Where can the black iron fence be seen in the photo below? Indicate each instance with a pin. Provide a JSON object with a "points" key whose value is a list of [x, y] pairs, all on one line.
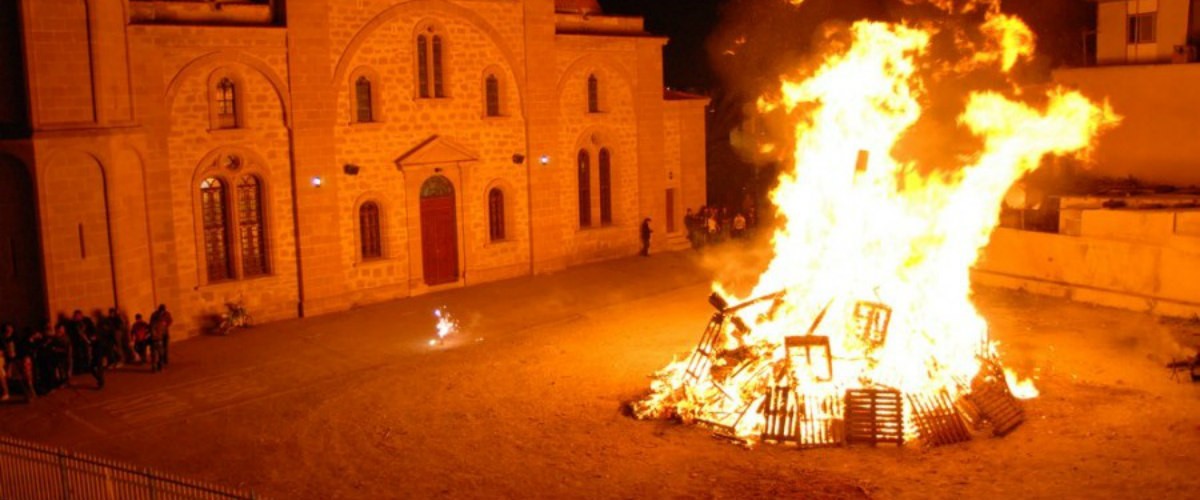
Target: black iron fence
{"points": [[30, 471]]}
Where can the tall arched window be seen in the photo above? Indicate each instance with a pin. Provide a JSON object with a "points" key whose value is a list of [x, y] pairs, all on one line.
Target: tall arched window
{"points": [[251, 233], [216, 229], [369, 231], [585, 189], [491, 87], [437, 67], [593, 92], [227, 112], [496, 214], [430, 64], [422, 66], [605, 187], [363, 112]]}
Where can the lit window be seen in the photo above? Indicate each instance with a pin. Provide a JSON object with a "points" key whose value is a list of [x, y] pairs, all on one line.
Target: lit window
{"points": [[227, 104], [422, 66], [593, 94], [496, 214], [605, 187], [492, 91], [430, 65], [362, 100], [216, 229], [585, 189], [250, 227], [1142, 28], [369, 233]]}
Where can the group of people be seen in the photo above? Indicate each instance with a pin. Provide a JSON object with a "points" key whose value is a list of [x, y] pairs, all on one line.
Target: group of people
{"points": [[711, 225], [39, 360]]}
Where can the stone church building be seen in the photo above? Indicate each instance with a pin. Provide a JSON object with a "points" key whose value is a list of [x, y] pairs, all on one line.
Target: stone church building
{"points": [[309, 156]]}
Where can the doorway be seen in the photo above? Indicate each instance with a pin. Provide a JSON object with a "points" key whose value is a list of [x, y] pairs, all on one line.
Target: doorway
{"points": [[439, 231]]}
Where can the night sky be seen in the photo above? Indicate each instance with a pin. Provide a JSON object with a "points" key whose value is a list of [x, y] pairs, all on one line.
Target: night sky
{"points": [[700, 27], [735, 51]]}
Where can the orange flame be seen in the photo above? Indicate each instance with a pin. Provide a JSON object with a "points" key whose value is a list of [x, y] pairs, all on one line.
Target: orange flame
{"points": [[879, 230]]}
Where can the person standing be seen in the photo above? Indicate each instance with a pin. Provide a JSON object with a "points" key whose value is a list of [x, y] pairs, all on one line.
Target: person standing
{"points": [[739, 226], [140, 335], [646, 237], [101, 348], [160, 327], [117, 322]]}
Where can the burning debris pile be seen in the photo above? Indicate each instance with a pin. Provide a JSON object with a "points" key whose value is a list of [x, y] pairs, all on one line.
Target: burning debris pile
{"points": [[863, 330], [752, 390]]}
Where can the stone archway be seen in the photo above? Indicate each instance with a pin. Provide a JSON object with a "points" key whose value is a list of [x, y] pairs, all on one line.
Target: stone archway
{"points": [[22, 290], [439, 231]]}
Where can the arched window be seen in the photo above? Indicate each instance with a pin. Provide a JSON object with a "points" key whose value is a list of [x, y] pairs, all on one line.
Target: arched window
{"points": [[369, 232], [216, 229], [430, 66], [491, 87], [251, 233], [605, 187], [437, 67], [593, 94], [422, 66], [585, 189], [363, 112], [227, 109], [496, 214]]}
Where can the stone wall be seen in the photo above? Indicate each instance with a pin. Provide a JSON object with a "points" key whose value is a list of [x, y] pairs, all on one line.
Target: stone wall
{"points": [[125, 129]]}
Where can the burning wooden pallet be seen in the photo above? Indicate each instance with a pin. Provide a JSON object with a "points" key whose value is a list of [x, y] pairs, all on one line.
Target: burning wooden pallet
{"points": [[782, 411], [996, 404], [822, 425], [700, 363], [874, 416], [937, 419]]}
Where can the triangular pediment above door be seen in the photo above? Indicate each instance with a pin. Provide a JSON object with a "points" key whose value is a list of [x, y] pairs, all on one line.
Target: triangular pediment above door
{"points": [[436, 150]]}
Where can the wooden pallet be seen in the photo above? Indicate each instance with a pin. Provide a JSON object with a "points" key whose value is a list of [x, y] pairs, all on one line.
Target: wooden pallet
{"points": [[821, 425], [938, 421], [874, 416], [795, 346], [998, 406], [872, 319], [782, 412], [700, 363]]}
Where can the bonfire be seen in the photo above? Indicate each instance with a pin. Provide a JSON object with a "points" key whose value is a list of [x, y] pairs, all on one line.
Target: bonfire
{"points": [[861, 328]]}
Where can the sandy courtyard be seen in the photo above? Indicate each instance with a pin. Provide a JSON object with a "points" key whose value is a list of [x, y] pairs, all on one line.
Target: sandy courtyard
{"points": [[527, 402]]}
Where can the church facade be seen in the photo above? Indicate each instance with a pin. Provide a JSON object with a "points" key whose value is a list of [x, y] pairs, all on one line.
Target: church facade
{"points": [[305, 157]]}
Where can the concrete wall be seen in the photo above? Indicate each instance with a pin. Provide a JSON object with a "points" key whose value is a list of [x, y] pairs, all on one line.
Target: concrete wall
{"points": [[1138, 260], [1157, 140]]}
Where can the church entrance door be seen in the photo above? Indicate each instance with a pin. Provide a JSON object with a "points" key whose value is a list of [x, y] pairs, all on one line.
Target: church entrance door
{"points": [[439, 231]]}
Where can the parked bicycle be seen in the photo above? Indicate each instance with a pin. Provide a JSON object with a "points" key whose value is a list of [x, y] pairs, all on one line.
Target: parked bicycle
{"points": [[235, 316]]}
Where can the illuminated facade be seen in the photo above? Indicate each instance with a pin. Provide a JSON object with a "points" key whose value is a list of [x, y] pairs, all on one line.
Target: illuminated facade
{"points": [[310, 156]]}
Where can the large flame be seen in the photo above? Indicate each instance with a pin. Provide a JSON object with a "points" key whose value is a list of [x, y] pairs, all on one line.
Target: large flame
{"points": [[860, 225]]}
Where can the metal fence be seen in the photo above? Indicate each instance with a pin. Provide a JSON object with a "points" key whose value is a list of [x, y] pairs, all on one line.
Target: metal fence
{"points": [[30, 471]]}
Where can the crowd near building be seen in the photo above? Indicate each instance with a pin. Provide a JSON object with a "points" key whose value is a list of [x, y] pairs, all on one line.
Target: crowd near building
{"points": [[304, 157]]}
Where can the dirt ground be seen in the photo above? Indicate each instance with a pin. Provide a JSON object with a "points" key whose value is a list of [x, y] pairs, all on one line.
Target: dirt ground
{"points": [[526, 402]]}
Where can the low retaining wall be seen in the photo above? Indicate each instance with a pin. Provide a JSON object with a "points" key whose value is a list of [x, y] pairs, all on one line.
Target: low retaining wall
{"points": [[1157, 273]]}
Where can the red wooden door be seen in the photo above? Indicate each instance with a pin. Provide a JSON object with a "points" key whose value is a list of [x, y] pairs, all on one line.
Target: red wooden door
{"points": [[439, 239]]}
